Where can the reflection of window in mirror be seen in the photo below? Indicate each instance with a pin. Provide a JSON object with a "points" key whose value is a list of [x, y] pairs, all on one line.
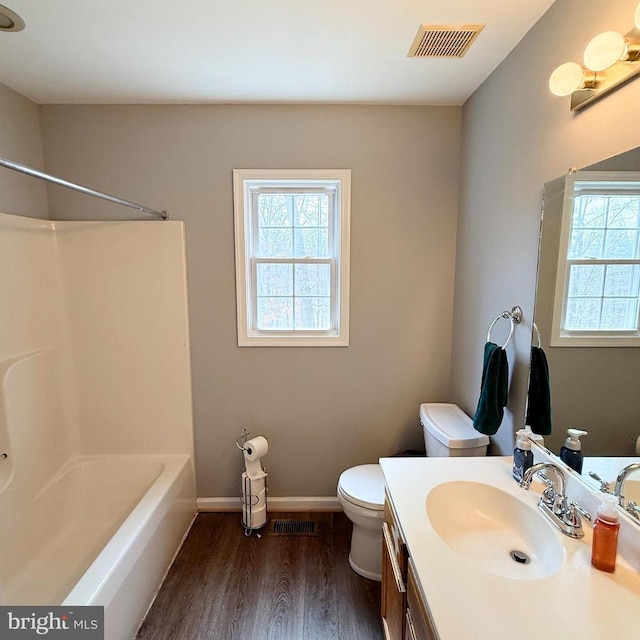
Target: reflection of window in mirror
{"points": [[598, 282]]}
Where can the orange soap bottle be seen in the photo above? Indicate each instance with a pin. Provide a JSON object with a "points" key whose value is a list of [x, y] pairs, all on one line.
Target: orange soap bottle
{"points": [[605, 535]]}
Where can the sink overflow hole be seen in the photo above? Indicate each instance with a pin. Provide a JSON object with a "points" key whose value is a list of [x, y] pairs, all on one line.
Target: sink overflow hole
{"points": [[520, 556]]}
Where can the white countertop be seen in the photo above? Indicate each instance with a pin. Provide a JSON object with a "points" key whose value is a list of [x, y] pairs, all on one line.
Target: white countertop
{"points": [[577, 601]]}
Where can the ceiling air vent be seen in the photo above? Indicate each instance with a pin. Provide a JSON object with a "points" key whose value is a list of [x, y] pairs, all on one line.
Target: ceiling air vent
{"points": [[443, 40]]}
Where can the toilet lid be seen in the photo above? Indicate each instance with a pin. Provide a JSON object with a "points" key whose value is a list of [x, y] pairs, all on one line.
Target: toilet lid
{"points": [[451, 426], [364, 486]]}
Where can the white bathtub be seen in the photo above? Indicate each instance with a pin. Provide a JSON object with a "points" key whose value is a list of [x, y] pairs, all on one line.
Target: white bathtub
{"points": [[103, 531]]}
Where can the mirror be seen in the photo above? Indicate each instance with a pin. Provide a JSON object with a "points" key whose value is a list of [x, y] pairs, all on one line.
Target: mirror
{"points": [[592, 388]]}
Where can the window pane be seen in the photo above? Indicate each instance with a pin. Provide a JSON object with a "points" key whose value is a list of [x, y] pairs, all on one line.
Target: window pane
{"points": [[621, 280], [311, 210], [275, 313], [619, 313], [311, 243], [623, 212], [602, 287], [582, 314], [275, 243], [585, 243], [292, 256], [312, 313], [589, 212], [621, 245], [274, 279], [586, 280], [313, 280], [273, 211]]}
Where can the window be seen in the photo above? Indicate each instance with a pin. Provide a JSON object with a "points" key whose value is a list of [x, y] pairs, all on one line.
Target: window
{"points": [[292, 257], [598, 281]]}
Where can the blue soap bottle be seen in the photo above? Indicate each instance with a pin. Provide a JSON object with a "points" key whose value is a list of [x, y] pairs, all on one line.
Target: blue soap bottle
{"points": [[571, 453], [522, 454]]}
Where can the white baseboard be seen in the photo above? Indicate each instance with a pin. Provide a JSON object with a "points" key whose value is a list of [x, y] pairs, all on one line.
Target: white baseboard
{"points": [[303, 503]]}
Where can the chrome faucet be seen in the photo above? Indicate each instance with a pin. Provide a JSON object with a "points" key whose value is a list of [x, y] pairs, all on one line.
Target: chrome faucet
{"points": [[631, 506], [605, 486], [527, 477], [620, 480], [633, 509], [553, 502]]}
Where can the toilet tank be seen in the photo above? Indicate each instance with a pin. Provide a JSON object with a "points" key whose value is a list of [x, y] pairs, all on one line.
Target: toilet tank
{"points": [[448, 432]]}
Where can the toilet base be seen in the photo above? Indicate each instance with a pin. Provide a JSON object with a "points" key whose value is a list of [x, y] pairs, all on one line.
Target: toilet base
{"points": [[362, 572], [365, 556]]}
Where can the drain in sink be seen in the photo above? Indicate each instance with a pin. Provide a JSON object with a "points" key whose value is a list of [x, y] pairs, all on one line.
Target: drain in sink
{"points": [[520, 556]]}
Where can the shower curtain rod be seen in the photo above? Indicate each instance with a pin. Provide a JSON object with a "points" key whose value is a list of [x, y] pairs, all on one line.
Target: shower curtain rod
{"points": [[23, 168]]}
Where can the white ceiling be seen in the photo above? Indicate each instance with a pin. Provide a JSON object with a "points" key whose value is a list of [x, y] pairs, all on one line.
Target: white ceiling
{"points": [[323, 51]]}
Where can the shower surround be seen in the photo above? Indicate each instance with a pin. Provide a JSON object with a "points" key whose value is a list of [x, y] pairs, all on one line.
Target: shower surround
{"points": [[96, 447]]}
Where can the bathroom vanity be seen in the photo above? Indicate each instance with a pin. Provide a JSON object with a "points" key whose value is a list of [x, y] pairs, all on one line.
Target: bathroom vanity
{"points": [[405, 613], [467, 553]]}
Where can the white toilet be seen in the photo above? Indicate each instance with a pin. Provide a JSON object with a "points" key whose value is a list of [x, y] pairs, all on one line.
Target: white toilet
{"points": [[449, 432], [361, 494]]}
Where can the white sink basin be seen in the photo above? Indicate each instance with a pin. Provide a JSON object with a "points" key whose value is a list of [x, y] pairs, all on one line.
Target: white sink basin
{"points": [[485, 525]]}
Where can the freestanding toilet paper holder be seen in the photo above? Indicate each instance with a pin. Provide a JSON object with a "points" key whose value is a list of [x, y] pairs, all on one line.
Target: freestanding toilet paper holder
{"points": [[250, 497]]}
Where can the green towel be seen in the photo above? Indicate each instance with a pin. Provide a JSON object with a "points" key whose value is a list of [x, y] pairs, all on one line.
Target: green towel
{"points": [[493, 390], [539, 397]]}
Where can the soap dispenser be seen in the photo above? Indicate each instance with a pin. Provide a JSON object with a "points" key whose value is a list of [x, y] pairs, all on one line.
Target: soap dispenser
{"points": [[605, 534], [571, 453], [522, 454]]}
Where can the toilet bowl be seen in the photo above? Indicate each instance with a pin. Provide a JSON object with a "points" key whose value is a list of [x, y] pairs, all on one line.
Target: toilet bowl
{"points": [[361, 494], [448, 431]]}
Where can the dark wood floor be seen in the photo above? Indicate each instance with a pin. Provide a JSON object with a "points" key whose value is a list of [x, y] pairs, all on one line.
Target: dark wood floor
{"points": [[226, 586]]}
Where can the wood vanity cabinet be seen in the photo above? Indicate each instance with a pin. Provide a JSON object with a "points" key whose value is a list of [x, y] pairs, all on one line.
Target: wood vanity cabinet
{"points": [[394, 576], [405, 614], [418, 622]]}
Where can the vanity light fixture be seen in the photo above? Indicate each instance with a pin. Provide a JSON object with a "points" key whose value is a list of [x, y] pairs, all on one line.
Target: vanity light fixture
{"points": [[609, 48], [570, 77], [610, 59]]}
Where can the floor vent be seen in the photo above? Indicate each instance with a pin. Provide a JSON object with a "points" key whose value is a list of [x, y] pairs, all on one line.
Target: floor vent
{"points": [[443, 40], [293, 528]]}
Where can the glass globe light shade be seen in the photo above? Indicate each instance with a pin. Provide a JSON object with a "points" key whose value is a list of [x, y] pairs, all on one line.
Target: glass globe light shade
{"points": [[566, 79], [605, 49]]}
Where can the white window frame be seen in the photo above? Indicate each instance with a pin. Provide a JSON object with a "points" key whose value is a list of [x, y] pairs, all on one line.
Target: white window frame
{"points": [[604, 182], [337, 182]]}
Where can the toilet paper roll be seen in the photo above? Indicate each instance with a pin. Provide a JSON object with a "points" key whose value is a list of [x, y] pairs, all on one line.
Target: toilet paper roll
{"points": [[254, 499], [256, 448], [254, 502], [256, 486], [254, 469], [256, 519]]}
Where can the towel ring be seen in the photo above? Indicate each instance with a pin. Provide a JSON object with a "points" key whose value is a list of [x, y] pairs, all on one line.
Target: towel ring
{"points": [[515, 316]]}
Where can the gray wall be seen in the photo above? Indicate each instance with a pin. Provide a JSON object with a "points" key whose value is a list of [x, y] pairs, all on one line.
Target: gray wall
{"points": [[323, 409], [516, 137], [20, 141]]}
